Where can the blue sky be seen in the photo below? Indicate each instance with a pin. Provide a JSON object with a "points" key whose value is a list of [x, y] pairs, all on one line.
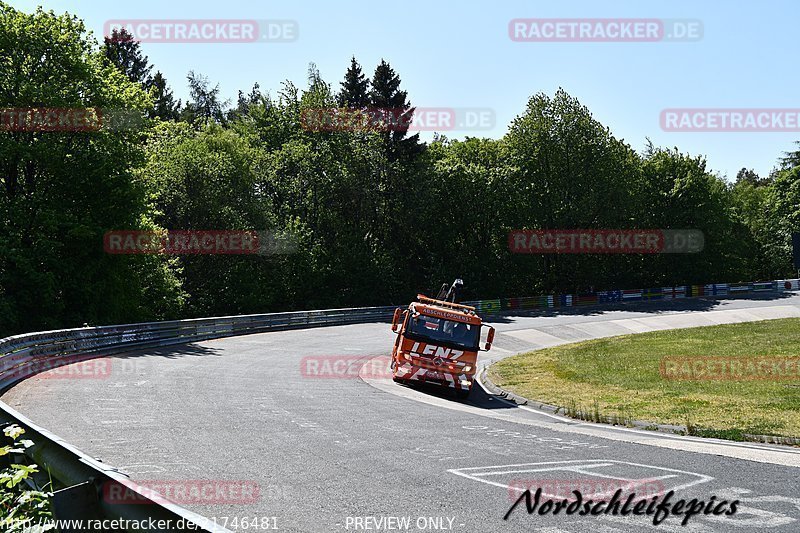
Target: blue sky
{"points": [[459, 55]]}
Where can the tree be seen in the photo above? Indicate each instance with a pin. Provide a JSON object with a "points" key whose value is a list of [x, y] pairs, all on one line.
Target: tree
{"points": [[208, 178], [386, 95], [790, 159], [570, 172], [781, 219], [204, 103], [61, 191], [164, 105], [469, 241], [246, 102], [377, 214], [748, 197], [750, 176], [682, 194], [124, 53], [355, 87]]}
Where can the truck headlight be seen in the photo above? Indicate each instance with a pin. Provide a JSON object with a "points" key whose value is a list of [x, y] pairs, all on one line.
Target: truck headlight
{"points": [[467, 368]]}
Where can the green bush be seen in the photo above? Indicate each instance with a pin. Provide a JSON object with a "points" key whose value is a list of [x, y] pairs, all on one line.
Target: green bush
{"points": [[23, 508]]}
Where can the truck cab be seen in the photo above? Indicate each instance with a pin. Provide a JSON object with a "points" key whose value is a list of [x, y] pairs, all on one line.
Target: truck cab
{"points": [[437, 343]]}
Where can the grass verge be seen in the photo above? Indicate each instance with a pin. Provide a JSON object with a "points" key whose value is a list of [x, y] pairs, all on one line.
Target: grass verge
{"points": [[620, 379]]}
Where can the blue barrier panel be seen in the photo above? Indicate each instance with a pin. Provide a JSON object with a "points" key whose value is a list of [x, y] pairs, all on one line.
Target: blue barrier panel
{"points": [[629, 295]]}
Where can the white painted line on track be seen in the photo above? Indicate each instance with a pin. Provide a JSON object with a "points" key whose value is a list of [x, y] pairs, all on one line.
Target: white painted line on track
{"points": [[784, 456], [576, 467], [763, 453]]}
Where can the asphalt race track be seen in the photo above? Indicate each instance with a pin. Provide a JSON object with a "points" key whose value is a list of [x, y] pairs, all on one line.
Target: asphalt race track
{"points": [[339, 454]]}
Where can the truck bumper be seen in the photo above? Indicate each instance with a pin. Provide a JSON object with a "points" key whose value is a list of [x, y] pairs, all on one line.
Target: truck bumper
{"points": [[410, 372]]}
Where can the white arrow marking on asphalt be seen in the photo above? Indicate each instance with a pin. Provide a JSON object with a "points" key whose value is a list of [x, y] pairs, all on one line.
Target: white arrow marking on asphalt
{"points": [[478, 473], [761, 518], [666, 526]]}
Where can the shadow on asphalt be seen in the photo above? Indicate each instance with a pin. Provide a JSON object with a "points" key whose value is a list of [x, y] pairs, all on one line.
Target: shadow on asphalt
{"points": [[480, 398], [477, 398], [36, 367], [170, 352]]}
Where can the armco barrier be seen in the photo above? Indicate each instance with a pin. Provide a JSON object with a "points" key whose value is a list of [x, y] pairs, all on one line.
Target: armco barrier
{"points": [[24, 355], [556, 301]]}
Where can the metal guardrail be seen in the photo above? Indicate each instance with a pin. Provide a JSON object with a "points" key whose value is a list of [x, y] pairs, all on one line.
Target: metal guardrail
{"points": [[499, 306], [24, 355]]}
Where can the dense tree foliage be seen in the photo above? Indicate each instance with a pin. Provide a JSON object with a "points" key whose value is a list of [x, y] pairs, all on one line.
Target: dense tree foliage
{"points": [[62, 190], [366, 217], [355, 88], [125, 53], [164, 105], [204, 104]]}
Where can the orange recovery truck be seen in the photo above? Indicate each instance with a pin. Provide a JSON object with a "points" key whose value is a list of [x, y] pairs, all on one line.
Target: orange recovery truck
{"points": [[438, 342]]}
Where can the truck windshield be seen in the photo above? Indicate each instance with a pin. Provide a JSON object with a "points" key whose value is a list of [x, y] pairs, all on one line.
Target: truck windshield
{"points": [[439, 330]]}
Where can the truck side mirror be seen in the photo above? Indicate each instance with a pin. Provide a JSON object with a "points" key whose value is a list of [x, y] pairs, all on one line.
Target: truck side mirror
{"points": [[396, 319], [489, 339]]}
